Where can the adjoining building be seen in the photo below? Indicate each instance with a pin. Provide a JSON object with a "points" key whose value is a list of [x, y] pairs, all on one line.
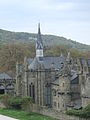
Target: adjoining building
{"points": [[7, 84]]}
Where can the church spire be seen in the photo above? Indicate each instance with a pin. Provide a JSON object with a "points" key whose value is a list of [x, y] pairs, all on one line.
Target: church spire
{"points": [[39, 44]]}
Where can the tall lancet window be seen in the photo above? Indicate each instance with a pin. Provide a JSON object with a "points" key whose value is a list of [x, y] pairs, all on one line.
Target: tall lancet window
{"points": [[48, 94], [32, 91]]}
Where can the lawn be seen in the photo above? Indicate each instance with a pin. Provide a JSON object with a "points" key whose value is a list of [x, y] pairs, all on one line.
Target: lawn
{"points": [[21, 115]]}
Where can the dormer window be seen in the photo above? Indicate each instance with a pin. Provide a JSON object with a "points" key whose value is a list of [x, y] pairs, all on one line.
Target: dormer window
{"points": [[62, 65]]}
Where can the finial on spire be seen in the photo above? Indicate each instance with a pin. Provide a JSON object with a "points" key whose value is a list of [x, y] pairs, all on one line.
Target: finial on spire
{"points": [[61, 55], [38, 27]]}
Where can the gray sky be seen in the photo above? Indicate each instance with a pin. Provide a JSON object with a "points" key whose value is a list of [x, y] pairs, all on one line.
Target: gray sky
{"points": [[67, 18]]}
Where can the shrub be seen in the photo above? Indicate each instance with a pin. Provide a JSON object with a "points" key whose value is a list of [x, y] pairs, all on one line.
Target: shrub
{"points": [[85, 113], [16, 102], [27, 104], [24, 103], [5, 99]]}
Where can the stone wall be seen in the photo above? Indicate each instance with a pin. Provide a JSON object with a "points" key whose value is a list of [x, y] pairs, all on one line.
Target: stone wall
{"points": [[57, 115]]}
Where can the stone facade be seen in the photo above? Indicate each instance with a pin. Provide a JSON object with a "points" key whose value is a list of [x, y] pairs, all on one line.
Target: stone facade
{"points": [[55, 82], [85, 85]]}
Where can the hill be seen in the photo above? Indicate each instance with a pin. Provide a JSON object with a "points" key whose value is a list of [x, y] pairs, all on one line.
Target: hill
{"points": [[48, 40]]}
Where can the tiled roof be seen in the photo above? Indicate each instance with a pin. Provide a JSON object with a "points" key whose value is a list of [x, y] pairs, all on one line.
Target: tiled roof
{"points": [[34, 64], [4, 76], [47, 62], [72, 78]]}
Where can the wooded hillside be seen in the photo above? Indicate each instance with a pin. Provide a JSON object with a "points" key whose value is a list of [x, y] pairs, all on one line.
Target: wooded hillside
{"points": [[14, 46], [48, 40]]}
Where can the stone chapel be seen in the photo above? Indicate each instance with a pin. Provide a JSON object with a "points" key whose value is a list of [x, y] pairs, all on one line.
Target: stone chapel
{"points": [[56, 82]]}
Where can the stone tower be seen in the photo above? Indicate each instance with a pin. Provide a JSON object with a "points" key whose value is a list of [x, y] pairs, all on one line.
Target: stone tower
{"points": [[25, 78], [39, 44], [36, 74], [85, 83], [64, 88], [86, 93], [69, 59], [18, 85]]}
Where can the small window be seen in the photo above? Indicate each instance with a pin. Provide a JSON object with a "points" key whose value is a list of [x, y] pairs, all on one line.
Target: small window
{"points": [[54, 93], [54, 104], [58, 105], [63, 105], [63, 84], [62, 65], [70, 62]]}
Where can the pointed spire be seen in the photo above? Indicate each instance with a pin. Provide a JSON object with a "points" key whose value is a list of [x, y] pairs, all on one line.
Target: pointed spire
{"points": [[69, 55], [68, 59], [39, 28], [39, 43], [39, 39], [61, 55]]}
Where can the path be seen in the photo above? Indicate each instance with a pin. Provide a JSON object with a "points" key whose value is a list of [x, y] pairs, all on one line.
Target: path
{"points": [[2, 117]]}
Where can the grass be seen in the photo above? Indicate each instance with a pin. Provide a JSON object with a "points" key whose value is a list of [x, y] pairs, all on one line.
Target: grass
{"points": [[21, 115]]}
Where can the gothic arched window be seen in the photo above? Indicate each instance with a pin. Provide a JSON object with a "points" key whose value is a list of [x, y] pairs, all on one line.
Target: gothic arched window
{"points": [[32, 91], [48, 94]]}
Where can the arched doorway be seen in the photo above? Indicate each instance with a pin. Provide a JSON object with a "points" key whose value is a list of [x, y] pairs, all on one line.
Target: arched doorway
{"points": [[10, 89], [2, 89]]}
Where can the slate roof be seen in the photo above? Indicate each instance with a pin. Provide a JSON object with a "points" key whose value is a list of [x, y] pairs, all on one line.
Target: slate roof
{"points": [[33, 64], [5, 76], [73, 75], [47, 62], [72, 79], [77, 104], [29, 60]]}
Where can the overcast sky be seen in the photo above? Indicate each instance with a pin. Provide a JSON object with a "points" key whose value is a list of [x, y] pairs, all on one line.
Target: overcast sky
{"points": [[67, 18]]}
